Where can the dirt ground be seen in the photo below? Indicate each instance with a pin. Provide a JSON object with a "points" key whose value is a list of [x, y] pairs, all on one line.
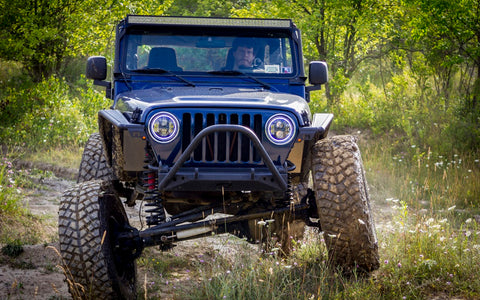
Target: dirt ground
{"points": [[36, 273]]}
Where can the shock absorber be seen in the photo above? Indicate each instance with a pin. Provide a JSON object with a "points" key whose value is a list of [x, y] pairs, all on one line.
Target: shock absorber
{"points": [[152, 195]]}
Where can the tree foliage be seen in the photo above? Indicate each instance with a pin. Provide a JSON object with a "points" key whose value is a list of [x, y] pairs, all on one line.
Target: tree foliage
{"points": [[415, 54], [37, 33]]}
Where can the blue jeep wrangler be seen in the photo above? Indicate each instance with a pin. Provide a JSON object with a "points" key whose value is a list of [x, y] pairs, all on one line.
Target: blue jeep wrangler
{"points": [[210, 118]]}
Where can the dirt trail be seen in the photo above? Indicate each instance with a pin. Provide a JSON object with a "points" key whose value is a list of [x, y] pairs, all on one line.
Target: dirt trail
{"points": [[36, 274]]}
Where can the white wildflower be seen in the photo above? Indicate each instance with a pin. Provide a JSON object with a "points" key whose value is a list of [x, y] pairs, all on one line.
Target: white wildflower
{"points": [[261, 223], [451, 208]]}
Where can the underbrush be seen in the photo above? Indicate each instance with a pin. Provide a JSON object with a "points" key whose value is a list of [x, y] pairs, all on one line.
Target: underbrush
{"points": [[421, 257], [403, 111], [426, 207], [52, 113]]}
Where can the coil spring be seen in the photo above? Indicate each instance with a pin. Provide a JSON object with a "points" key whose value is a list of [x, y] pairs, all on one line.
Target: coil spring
{"points": [[152, 195]]}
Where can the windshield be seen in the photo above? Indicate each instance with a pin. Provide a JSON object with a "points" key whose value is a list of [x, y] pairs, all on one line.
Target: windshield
{"points": [[156, 52]]}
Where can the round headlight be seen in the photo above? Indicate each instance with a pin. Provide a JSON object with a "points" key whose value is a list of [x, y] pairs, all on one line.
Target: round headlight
{"points": [[280, 129], [163, 127]]}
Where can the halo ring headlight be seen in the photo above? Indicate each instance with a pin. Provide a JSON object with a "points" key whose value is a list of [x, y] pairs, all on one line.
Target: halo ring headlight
{"points": [[163, 127], [280, 129]]}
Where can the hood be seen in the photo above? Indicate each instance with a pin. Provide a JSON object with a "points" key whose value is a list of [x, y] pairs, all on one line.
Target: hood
{"points": [[211, 98]]}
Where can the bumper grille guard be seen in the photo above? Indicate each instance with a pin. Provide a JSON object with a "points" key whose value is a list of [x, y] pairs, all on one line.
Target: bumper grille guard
{"points": [[166, 175]]}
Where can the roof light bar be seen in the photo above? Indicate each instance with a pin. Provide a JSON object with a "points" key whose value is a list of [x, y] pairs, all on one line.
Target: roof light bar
{"points": [[161, 20]]}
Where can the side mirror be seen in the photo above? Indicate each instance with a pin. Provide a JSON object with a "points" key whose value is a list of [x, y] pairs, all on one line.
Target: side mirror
{"points": [[97, 68], [317, 75], [318, 72]]}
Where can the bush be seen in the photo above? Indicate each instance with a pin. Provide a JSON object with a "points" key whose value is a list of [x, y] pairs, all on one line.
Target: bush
{"points": [[50, 113], [411, 115]]}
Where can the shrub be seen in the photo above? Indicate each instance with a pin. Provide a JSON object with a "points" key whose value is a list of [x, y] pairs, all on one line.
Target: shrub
{"points": [[50, 113]]}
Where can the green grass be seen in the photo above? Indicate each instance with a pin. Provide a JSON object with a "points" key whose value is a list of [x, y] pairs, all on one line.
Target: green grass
{"points": [[421, 257], [429, 242], [63, 157], [424, 178]]}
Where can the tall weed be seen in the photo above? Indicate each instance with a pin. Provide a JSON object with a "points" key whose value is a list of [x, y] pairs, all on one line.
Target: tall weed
{"points": [[425, 179], [10, 193]]}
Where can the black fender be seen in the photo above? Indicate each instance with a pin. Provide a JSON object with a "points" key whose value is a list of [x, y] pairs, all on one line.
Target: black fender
{"points": [[123, 142], [307, 137]]}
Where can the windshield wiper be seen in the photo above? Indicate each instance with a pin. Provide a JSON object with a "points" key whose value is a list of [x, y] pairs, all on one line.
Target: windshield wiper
{"points": [[237, 73], [163, 71]]}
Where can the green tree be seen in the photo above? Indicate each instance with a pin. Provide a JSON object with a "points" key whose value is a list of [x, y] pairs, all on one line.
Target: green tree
{"points": [[36, 33], [203, 8], [448, 32], [346, 34], [45, 35]]}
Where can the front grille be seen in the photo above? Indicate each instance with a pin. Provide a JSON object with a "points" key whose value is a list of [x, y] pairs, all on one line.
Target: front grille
{"points": [[227, 147]]}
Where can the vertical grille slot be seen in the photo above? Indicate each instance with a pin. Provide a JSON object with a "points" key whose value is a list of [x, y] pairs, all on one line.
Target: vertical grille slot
{"points": [[222, 145], [257, 128], [233, 145], [197, 127], [228, 147], [245, 142], [186, 131], [210, 140]]}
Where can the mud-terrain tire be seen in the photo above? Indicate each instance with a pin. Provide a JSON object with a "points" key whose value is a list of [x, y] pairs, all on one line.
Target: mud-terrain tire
{"points": [[343, 204], [88, 215], [94, 165]]}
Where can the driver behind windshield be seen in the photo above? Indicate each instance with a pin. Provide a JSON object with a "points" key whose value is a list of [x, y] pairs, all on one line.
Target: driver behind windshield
{"points": [[241, 55]]}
